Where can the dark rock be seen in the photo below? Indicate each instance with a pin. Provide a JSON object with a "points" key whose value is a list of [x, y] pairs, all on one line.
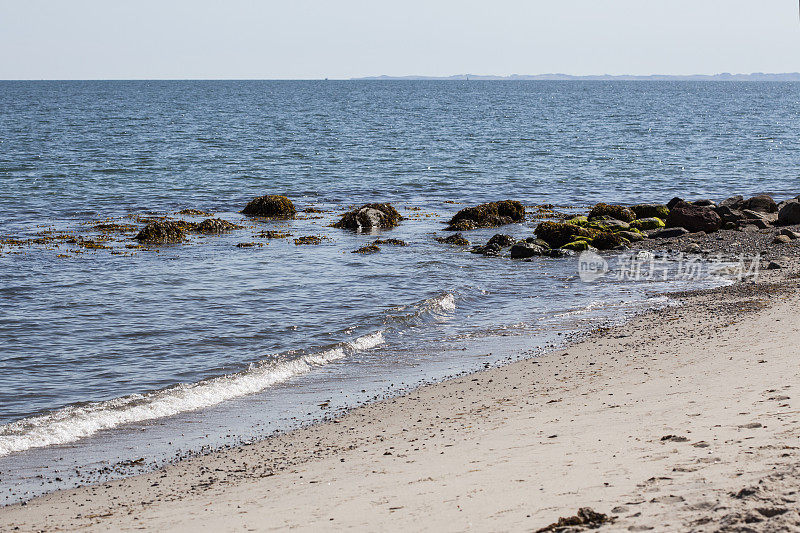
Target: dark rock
{"points": [[781, 239], [369, 217], [705, 203], [540, 242], [161, 232], [367, 249], [390, 242], [491, 249], [774, 265], [789, 213], [525, 249], [455, 238], [632, 236], [558, 252], [607, 240], [612, 224], [734, 202], [789, 233], [308, 239], [557, 234], [667, 233], [215, 225], [672, 203], [693, 248], [762, 203], [759, 223], [651, 211], [618, 212], [271, 206], [502, 240], [488, 215], [693, 218]]}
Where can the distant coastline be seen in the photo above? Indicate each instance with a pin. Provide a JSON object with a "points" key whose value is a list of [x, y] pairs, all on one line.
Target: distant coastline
{"points": [[725, 76]]}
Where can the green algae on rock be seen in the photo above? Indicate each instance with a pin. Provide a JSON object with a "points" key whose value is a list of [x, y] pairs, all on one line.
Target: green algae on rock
{"points": [[651, 211], [557, 234], [619, 212], [455, 239], [646, 224]]}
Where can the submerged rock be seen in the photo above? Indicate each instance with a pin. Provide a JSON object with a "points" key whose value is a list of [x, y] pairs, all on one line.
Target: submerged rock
{"points": [[488, 215], [308, 239], [391, 242], [215, 225], [619, 212], [369, 217], [162, 232], [456, 239], [271, 206], [367, 249], [694, 218]]}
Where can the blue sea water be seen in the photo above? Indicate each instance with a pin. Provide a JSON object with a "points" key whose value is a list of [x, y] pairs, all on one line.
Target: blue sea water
{"points": [[140, 353]]}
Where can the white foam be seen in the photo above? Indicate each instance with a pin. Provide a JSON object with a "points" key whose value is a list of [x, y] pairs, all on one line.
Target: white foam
{"points": [[75, 422]]}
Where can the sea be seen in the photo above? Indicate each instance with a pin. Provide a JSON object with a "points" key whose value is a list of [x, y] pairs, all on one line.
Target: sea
{"points": [[134, 357]]}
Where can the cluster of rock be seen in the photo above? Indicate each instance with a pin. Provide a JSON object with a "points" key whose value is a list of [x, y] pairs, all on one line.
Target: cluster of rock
{"points": [[169, 231], [614, 227]]}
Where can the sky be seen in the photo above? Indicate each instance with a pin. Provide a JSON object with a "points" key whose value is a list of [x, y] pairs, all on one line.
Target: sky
{"points": [[302, 39]]}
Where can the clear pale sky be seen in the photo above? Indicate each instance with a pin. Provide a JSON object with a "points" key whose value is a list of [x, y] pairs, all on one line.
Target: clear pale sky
{"points": [[106, 39]]}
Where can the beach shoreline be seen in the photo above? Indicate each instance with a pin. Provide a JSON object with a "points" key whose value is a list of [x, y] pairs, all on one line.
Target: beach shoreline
{"points": [[632, 421]]}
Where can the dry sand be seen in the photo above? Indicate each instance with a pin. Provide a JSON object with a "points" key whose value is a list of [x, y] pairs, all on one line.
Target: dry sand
{"points": [[683, 419]]}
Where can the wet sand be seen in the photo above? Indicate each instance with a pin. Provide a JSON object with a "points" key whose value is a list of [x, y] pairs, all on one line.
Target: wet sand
{"points": [[684, 418]]}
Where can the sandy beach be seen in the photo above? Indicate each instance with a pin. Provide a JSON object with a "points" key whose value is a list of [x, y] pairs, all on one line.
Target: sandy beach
{"points": [[685, 418]]}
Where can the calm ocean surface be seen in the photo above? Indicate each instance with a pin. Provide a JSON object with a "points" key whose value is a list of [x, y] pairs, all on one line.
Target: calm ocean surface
{"points": [[146, 354]]}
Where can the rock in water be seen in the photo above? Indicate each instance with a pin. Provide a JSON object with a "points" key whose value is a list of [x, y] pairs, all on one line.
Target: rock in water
{"points": [[651, 211], [693, 218], [789, 213], [501, 240], [215, 225], [369, 217], [488, 215], [455, 238], [524, 249], [762, 203], [557, 234], [271, 206], [161, 232], [618, 212]]}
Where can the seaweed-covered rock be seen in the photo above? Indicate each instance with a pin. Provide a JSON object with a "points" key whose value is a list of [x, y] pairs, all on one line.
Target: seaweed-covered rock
{"points": [[762, 203], [578, 221], [524, 249], [619, 212], [367, 249], [557, 234], [488, 215], [369, 217], [607, 240], [215, 225], [456, 239], [694, 218], [271, 206], [308, 239], [613, 225], [162, 232], [501, 240], [789, 213], [390, 242], [651, 211], [577, 246], [194, 213], [645, 224]]}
